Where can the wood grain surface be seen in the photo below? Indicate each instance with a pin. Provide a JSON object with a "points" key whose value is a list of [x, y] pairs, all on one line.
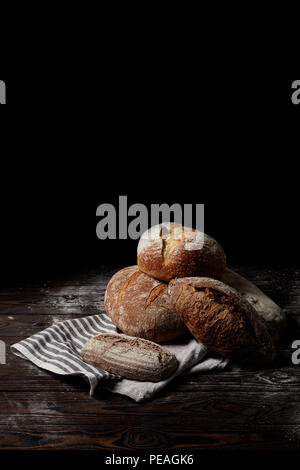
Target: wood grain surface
{"points": [[237, 409]]}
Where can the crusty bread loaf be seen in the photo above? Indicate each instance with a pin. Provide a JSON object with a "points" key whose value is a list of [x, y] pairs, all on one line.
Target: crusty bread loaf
{"points": [[133, 358], [273, 315], [140, 306], [169, 250], [222, 320]]}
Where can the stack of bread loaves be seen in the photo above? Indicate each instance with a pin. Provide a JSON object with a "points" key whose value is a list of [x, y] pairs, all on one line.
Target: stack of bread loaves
{"points": [[180, 286]]}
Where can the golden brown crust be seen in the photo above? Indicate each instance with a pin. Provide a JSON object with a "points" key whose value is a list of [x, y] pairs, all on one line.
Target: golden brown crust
{"points": [[140, 306], [172, 250], [222, 320]]}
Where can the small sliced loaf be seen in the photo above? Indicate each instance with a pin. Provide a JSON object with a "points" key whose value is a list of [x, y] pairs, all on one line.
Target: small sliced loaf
{"points": [[130, 357], [169, 250], [222, 320]]}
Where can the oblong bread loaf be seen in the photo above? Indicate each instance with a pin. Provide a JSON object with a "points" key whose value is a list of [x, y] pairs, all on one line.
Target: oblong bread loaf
{"points": [[271, 313], [141, 306], [130, 357], [218, 316]]}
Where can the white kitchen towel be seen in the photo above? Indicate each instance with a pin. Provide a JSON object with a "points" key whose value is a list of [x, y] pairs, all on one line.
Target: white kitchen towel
{"points": [[57, 349]]}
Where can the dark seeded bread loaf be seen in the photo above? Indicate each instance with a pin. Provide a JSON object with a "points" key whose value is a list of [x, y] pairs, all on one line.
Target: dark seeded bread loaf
{"points": [[222, 320], [140, 306], [170, 250], [133, 358]]}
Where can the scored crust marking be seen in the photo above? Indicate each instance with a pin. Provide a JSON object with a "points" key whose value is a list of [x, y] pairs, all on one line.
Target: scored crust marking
{"points": [[133, 278], [152, 235], [223, 307], [172, 236], [165, 233], [143, 308], [154, 293], [130, 357], [219, 317]]}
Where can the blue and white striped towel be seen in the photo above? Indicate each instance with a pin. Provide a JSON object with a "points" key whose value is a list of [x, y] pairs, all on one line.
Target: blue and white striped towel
{"points": [[57, 349]]}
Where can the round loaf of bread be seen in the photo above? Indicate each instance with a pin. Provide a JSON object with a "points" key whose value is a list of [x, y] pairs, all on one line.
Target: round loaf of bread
{"points": [[141, 306], [270, 312], [169, 250], [222, 320]]}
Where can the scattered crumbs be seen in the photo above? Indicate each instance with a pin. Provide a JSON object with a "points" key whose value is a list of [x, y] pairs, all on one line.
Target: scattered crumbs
{"points": [[56, 319]]}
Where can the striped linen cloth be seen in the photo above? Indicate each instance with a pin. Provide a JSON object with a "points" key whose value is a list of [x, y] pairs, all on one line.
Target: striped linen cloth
{"points": [[57, 349]]}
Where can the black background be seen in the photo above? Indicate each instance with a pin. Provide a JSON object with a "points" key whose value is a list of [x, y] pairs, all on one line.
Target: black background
{"points": [[71, 141]]}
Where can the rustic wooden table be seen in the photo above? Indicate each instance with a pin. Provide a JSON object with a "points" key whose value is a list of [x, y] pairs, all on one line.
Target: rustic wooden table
{"points": [[238, 408]]}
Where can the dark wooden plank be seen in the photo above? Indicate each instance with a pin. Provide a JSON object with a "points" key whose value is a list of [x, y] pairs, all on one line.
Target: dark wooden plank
{"points": [[236, 409], [116, 437], [219, 408], [56, 305], [72, 297], [272, 381], [27, 325], [84, 277]]}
